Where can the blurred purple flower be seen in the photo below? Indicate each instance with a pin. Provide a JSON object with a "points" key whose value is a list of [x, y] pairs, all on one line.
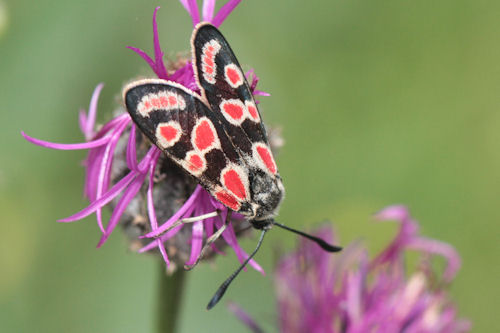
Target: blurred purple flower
{"points": [[349, 293], [105, 158]]}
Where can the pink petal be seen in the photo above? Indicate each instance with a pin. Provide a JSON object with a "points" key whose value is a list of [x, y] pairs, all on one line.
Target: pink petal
{"points": [[131, 154], [64, 146], [121, 206], [208, 10], [230, 238], [159, 67], [82, 120], [244, 317], [257, 92], [437, 247], [112, 124], [112, 193], [104, 175], [196, 243], [192, 9], [102, 201], [225, 11], [396, 212], [170, 233], [89, 128], [151, 210], [189, 202], [143, 55]]}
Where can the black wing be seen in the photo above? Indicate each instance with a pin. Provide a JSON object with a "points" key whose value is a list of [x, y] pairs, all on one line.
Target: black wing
{"points": [[176, 120], [226, 89]]}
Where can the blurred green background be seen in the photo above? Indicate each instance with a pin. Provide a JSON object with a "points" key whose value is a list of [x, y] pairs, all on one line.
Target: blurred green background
{"points": [[381, 102]]}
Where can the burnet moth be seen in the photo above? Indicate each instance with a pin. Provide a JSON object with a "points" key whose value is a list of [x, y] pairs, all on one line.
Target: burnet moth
{"points": [[218, 137]]}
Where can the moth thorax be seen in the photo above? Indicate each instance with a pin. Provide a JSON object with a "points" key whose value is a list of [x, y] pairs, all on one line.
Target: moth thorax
{"points": [[267, 192]]}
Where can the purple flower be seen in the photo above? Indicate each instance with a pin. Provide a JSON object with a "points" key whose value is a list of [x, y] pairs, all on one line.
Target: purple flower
{"points": [[125, 172], [350, 293]]}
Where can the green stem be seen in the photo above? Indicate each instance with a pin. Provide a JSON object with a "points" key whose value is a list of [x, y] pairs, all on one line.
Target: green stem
{"points": [[169, 299]]}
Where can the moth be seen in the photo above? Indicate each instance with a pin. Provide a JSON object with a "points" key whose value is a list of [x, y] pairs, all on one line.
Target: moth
{"points": [[216, 136]]}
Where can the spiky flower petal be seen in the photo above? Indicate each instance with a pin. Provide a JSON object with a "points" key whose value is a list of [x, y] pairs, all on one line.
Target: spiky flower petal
{"points": [[134, 178], [349, 293]]}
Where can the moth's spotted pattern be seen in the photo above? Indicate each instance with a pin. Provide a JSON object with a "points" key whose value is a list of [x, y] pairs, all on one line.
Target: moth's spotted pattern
{"points": [[166, 100], [217, 137], [208, 66], [168, 134], [233, 75]]}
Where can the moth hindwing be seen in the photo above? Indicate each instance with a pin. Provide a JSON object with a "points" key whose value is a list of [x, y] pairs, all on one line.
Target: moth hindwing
{"points": [[218, 137]]}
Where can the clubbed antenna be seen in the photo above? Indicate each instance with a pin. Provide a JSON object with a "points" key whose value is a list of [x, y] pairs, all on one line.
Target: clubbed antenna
{"points": [[324, 245], [223, 287]]}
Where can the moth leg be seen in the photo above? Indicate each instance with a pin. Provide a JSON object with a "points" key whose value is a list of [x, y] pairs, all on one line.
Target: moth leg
{"points": [[190, 220], [199, 217], [210, 241]]}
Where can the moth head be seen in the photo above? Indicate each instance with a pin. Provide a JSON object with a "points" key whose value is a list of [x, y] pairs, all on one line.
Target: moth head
{"points": [[267, 192], [265, 224]]}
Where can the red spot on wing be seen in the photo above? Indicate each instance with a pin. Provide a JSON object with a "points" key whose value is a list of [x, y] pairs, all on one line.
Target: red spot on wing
{"points": [[235, 111], [172, 100], [253, 111], [195, 162], [155, 102], [228, 200], [164, 101], [208, 60], [233, 75], [204, 135], [169, 132], [161, 101], [209, 70], [232, 180], [267, 158], [208, 67]]}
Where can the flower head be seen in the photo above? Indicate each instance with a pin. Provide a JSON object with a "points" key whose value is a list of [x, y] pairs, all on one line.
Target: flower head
{"points": [[148, 193], [350, 293]]}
